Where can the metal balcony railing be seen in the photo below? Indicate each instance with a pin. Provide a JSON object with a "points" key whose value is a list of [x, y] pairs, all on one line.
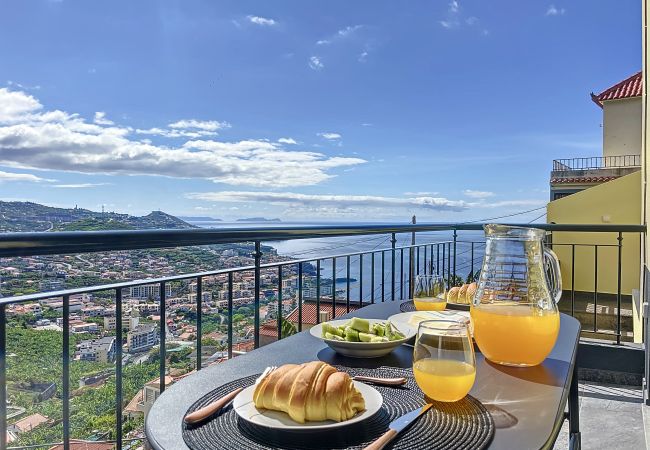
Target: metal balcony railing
{"points": [[597, 162], [395, 265]]}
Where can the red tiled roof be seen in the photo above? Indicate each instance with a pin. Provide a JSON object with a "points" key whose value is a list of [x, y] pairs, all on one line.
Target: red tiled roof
{"points": [[245, 346], [309, 311], [582, 180], [269, 328], [628, 88]]}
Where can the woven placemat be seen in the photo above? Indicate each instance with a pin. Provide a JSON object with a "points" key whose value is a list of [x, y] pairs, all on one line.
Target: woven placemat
{"points": [[409, 306], [462, 425]]}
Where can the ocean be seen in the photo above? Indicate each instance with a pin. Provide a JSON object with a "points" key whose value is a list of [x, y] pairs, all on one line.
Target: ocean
{"points": [[332, 246]]}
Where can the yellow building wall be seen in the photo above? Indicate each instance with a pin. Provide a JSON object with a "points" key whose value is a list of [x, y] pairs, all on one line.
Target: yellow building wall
{"points": [[622, 127], [615, 202]]}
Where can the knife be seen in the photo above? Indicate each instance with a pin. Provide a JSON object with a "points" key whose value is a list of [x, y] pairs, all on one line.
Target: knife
{"points": [[397, 426]]}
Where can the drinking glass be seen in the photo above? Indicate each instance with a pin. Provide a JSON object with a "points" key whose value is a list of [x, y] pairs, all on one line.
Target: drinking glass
{"points": [[429, 293], [443, 360]]}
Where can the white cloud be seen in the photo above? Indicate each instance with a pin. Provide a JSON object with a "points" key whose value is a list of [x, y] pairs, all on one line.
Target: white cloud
{"points": [[257, 20], [420, 193], [477, 194], [329, 136], [23, 86], [9, 176], [367, 124], [175, 133], [455, 18], [363, 57], [348, 30], [34, 138], [207, 125], [315, 63], [289, 141], [79, 185], [323, 205], [553, 11], [336, 201], [100, 119], [340, 35]]}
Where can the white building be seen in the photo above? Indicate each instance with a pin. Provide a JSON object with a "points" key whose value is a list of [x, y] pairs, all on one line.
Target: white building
{"points": [[149, 291], [97, 350], [128, 322], [142, 338]]}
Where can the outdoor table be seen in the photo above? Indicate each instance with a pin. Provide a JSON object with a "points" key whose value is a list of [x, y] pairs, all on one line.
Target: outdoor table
{"points": [[527, 404]]}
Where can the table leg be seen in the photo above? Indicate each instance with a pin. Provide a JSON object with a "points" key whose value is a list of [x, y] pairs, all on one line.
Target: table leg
{"points": [[574, 412]]}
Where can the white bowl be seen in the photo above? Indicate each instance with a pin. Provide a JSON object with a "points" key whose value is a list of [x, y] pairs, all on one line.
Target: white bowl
{"points": [[364, 349]]}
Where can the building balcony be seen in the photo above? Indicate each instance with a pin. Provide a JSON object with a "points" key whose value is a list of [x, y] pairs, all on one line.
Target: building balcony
{"points": [[288, 295], [574, 175]]}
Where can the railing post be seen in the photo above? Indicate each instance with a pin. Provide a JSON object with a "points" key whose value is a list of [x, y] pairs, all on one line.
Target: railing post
{"points": [[163, 326], [279, 302], [258, 260], [360, 280], [455, 239], [472, 270], [3, 377], [449, 263], [334, 290], [383, 276], [573, 279], [299, 296], [318, 291], [199, 319], [66, 373], [401, 273], [230, 311], [595, 288], [118, 368], [411, 255], [393, 241], [372, 278], [347, 284], [618, 288]]}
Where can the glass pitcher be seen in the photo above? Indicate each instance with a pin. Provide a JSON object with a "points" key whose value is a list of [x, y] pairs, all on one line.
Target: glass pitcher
{"points": [[515, 314]]}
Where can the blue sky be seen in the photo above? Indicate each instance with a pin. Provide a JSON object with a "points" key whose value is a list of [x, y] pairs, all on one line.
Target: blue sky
{"points": [[330, 110]]}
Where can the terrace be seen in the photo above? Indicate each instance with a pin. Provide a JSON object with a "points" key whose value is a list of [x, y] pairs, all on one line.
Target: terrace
{"points": [[610, 366]]}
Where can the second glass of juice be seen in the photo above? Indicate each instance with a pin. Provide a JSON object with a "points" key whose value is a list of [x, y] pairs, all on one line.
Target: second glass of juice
{"points": [[444, 364], [429, 293]]}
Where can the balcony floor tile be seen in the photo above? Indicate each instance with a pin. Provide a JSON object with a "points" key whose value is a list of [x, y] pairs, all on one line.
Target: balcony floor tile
{"points": [[610, 417]]}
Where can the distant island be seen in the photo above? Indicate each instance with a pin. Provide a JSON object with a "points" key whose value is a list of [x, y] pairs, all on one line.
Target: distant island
{"points": [[199, 219], [28, 216], [258, 219]]}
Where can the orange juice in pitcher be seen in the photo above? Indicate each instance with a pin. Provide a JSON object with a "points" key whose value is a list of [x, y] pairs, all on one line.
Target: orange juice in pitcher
{"points": [[514, 311]]}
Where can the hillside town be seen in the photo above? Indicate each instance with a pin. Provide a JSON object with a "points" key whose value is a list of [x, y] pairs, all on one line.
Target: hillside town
{"points": [[92, 324]]}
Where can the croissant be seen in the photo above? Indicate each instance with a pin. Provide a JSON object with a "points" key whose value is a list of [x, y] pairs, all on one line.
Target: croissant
{"points": [[313, 391], [471, 290], [462, 293], [452, 294]]}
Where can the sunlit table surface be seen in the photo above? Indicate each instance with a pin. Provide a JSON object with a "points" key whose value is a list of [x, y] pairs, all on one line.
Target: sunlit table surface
{"points": [[527, 404]]}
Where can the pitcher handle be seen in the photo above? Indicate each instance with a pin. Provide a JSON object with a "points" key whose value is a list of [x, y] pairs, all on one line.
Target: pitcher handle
{"points": [[553, 274]]}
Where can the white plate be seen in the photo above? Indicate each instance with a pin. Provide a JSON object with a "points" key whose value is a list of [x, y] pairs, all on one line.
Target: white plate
{"points": [[245, 408], [413, 318], [364, 349]]}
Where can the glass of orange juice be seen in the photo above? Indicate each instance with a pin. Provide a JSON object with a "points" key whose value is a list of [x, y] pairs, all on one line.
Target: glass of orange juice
{"points": [[429, 293], [444, 364]]}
